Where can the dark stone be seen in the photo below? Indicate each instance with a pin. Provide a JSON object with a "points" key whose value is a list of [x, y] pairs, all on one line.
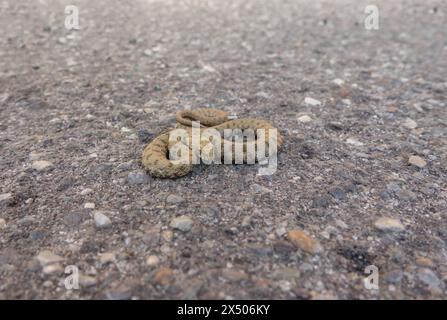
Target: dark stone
{"points": [[321, 201], [37, 235], [359, 258], [73, 219], [144, 136], [65, 183], [338, 193]]}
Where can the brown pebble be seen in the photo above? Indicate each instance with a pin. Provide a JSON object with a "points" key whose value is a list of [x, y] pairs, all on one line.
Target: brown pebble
{"points": [[303, 241], [417, 161], [164, 276]]}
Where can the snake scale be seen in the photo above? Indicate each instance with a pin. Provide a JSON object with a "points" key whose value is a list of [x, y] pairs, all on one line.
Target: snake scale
{"points": [[155, 158]]}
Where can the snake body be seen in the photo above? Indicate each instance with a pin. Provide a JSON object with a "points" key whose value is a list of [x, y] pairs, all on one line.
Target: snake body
{"points": [[155, 158]]}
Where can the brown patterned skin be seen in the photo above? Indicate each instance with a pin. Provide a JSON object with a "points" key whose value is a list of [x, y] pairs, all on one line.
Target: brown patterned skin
{"points": [[155, 156]]}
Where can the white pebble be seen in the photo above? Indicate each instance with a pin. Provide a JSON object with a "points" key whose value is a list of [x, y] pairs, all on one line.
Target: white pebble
{"points": [[311, 101], [305, 119]]}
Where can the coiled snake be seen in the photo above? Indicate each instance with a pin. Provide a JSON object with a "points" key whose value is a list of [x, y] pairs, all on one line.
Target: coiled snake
{"points": [[157, 162]]}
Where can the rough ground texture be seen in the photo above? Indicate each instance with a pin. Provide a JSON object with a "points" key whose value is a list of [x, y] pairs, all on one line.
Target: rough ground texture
{"points": [[361, 180]]}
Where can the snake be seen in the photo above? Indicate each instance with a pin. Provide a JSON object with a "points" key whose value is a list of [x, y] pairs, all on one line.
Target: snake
{"points": [[156, 160]]}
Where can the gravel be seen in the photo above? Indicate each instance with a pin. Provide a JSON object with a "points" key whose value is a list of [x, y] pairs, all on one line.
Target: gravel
{"points": [[363, 183], [101, 220], [182, 223]]}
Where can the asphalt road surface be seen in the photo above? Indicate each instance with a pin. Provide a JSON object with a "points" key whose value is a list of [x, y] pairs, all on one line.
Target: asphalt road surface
{"points": [[361, 184]]}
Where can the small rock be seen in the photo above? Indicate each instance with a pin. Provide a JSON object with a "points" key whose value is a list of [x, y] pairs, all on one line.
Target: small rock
{"points": [[101, 220], [234, 275], [164, 276], [123, 292], [152, 260], [86, 281], [280, 231], [53, 268], [41, 165], [417, 161], [6, 198], [73, 219], [262, 94], [354, 142], [311, 101], [47, 257], [410, 124], [106, 257], [389, 224], [137, 177], [125, 130], [144, 136], [286, 274], [394, 276], [338, 82], [303, 241], [182, 223], [89, 205], [174, 199], [167, 235], [341, 224], [86, 191], [2, 223], [260, 189], [62, 40], [208, 68], [65, 183], [424, 262], [305, 119], [430, 279]]}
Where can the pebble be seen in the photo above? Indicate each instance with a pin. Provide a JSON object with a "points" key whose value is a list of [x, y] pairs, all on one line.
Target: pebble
{"points": [[424, 262], [53, 268], [174, 199], [86, 191], [338, 82], [2, 223], [152, 261], [410, 124], [144, 136], [430, 279], [280, 231], [125, 130], [389, 224], [101, 220], [262, 94], [417, 161], [62, 40], [182, 223], [89, 205], [106, 257], [354, 142], [5, 198], [167, 235], [72, 219], [303, 241], [137, 177], [47, 257], [260, 189], [164, 276], [234, 275], [394, 276], [311, 101], [286, 274], [41, 165], [305, 119], [86, 281]]}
